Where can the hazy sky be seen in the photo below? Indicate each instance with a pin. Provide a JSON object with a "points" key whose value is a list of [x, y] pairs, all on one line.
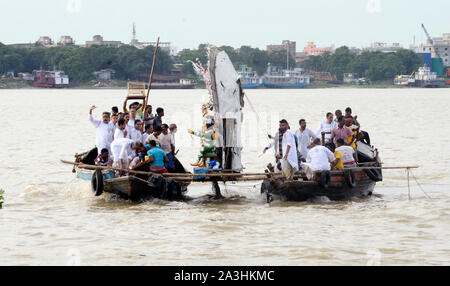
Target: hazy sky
{"points": [[232, 22]]}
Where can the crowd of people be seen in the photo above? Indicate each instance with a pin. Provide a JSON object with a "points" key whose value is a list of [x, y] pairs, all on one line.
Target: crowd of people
{"points": [[130, 139], [332, 146]]}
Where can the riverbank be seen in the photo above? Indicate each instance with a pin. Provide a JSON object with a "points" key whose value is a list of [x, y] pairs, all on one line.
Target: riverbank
{"points": [[377, 85], [9, 83]]}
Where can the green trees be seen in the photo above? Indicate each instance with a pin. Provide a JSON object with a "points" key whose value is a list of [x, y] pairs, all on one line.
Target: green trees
{"points": [[80, 62], [252, 57], [376, 66], [128, 62]]}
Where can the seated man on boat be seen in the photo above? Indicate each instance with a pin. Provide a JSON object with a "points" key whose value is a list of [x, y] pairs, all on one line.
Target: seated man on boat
{"points": [[318, 159], [157, 158], [207, 149], [348, 154], [103, 158], [104, 130], [336, 164]]}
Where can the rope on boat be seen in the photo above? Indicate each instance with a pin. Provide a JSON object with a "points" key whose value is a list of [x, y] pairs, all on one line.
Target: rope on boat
{"points": [[420, 186]]}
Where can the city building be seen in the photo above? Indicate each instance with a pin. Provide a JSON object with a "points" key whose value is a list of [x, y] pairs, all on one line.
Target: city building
{"points": [[355, 50], [285, 45], [164, 46], [22, 46], [105, 74], [439, 48], [313, 50], [98, 40], [384, 47], [45, 41], [66, 41]]}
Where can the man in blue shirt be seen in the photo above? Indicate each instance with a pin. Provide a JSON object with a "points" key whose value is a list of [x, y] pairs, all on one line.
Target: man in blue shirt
{"points": [[157, 157]]}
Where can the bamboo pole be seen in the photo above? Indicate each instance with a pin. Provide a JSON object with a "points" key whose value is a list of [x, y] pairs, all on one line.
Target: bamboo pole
{"points": [[151, 75], [224, 177]]}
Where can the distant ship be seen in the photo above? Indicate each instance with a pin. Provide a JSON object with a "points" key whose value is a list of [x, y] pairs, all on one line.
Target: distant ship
{"points": [[296, 78], [249, 78], [424, 77]]}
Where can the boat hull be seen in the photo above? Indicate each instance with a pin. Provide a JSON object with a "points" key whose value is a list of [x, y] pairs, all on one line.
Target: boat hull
{"points": [[337, 189], [251, 85], [268, 84], [136, 189]]}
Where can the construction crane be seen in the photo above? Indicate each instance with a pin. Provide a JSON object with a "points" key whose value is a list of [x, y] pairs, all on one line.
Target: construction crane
{"points": [[431, 42]]}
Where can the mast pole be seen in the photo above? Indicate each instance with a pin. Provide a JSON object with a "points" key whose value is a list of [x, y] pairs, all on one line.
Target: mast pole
{"points": [[151, 75]]}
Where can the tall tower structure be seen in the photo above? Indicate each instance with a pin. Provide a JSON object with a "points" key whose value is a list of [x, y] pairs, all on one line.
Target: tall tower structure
{"points": [[134, 41]]}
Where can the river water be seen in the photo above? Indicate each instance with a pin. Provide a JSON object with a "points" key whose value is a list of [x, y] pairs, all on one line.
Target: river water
{"points": [[52, 218]]}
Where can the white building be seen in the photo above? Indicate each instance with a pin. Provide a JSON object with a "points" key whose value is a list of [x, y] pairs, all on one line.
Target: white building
{"points": [[441, 46]]}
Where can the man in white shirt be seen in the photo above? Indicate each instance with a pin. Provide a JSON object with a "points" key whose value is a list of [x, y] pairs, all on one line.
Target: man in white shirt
{"points": [[348, 154], [173, 130], [104, 130], [318, 159], [124, 151], [304, 136], [136, 131], [289, 163], [148, 115], [167, 145], [326, 127], [147, 133], [121, 131], [155, 136], [133, 118]]}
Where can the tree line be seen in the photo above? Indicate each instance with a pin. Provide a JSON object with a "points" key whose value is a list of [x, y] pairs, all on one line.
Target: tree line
{"points": [[376, 66], [128, 62], [252, 57], [80, 62]]}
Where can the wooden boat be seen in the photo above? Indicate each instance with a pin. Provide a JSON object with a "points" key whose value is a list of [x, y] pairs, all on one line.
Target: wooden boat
{"points": [[135, 188], [336, 185]]}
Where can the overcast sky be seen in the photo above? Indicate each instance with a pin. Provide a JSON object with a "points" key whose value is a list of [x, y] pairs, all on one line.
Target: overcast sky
{"points": [[229, 22]]}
